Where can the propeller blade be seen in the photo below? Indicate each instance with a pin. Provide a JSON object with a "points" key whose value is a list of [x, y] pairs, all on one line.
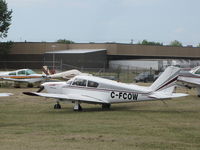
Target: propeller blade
{"points": [[40, 89]]}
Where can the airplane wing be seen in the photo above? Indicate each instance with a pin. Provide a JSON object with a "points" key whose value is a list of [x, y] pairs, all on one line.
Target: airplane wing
{"points": [[5, 94], [195, 81], [162, 95], [69, 97]]}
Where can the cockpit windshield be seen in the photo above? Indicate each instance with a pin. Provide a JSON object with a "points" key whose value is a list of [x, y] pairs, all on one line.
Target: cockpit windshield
{"points": [[29, 72], [79, 82], [26, 72], [197, 71]]}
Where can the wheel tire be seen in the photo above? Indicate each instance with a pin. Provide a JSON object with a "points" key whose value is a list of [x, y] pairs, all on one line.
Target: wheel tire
{"points": [[79, 108], [57, 106], [106, 106], [29, 85]]}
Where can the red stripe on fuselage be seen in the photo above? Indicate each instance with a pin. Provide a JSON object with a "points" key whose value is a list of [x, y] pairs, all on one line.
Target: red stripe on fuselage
{"points": [[107, 90]]}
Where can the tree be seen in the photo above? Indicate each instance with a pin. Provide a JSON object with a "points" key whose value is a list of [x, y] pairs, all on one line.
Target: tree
{"points": [[145, 42], [198, 45], [5, 47], [64, 41], [176, 43], [5, 19]]}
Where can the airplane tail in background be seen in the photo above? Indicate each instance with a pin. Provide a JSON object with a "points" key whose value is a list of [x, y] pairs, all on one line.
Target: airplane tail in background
{"points": [[166, 82], [46, 71]]}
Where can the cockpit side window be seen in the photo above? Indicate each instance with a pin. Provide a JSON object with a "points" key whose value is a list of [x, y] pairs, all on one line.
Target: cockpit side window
{"points": [[198, 71], [79, 82], [23, 72], [92, 84], [12, 73]]}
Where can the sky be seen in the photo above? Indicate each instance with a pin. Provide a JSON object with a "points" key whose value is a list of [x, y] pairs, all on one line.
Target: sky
{"points": [[99, 21]]}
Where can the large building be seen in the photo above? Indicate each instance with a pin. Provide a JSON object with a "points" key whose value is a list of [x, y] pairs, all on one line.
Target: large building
{"points": [[34, 55]]}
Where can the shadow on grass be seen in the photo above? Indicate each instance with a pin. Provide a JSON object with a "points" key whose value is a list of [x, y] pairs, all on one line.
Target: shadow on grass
{"points": [[130, 109]]}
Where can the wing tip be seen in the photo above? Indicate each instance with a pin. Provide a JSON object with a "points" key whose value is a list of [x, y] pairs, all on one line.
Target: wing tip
{"points": [[30, 93]]}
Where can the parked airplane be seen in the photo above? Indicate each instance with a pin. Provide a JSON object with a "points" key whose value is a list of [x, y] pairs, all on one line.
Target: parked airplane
{"points": [[30, 77], [96, 90], [191, 79], [22, 75], [66, 75], [5, 94]]}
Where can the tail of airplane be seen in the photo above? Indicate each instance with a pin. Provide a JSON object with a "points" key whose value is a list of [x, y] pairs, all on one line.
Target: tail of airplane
{"points": [[166, 82], [46, 71]]}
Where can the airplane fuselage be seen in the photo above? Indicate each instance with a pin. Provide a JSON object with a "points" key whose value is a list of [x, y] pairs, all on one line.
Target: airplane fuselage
{"points": [[22, 75], [117, 93]]}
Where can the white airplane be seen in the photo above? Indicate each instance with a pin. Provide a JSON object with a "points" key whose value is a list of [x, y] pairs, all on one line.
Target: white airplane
{"points": [[96, 90], [30, 77], [191, 79], [22, 75], [5, 94]]}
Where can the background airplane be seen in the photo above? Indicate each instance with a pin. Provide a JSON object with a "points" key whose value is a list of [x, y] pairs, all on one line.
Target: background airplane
{"points": [[22, 75], [190, 79], [96, 90], [66, 75], [30, 77]]}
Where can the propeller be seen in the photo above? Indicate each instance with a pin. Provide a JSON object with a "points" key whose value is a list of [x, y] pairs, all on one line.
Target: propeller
{"points": [[40, 89]]}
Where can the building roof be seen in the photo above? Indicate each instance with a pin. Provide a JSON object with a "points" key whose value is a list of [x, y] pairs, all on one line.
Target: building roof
{"points": [[75, 51]]}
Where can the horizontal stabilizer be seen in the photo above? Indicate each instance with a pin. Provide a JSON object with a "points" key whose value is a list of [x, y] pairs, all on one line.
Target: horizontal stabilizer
{"points": [[190, 80], [162, 95]]}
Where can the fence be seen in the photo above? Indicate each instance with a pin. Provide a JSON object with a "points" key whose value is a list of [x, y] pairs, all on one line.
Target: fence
{"points": [[125, 74]]}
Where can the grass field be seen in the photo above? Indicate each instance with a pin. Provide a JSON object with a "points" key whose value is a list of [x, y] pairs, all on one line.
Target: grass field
{"points": [[31, 123]]}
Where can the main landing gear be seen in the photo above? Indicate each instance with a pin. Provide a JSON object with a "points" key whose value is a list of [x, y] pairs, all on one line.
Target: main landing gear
{"points": [[106, 106], [77, 106], [57, 106]]}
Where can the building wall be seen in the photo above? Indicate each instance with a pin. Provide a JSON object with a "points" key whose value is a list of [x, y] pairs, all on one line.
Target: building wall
{"points": [[86, 60], [168, 51], [31, 55], [36, 48], [112, 49], [19, 61]]}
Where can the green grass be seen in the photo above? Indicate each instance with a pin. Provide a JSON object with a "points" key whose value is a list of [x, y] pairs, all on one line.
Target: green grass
{"points": [[32, 123]]}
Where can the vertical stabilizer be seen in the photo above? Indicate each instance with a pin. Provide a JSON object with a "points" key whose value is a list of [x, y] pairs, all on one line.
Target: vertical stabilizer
{"points": [[167, 80]]}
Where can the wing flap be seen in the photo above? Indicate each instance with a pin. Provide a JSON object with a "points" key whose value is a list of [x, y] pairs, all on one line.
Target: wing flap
{"points": [[83, 98]]}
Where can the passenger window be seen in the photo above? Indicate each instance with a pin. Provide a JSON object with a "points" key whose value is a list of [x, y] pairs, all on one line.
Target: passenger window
{"points": [[79, 82], [22, 72], [92, 84], [12, 73]]}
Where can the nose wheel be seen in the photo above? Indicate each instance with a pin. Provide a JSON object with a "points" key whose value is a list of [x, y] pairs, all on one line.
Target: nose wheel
{"points": [[57, 106]]}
